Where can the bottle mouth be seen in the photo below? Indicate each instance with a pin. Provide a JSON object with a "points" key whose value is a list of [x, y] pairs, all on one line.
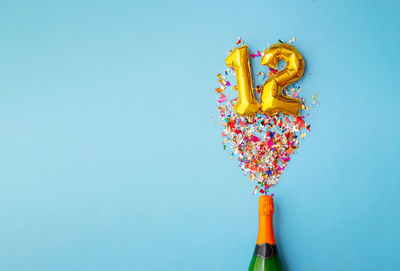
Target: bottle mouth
{"points": [[266, 205]]}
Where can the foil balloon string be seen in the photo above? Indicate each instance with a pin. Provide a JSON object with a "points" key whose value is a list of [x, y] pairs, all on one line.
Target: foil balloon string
{"points": [[263, 144]]}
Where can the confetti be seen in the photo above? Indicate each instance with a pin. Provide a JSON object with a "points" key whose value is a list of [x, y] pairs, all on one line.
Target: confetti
{"points": [[219, 90], [239, 41], [263, 145], [261, 73], [256, 55], [272, 71]]}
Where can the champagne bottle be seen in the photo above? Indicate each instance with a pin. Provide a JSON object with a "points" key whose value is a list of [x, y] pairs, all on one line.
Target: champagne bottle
{"points": [[265, 254]]}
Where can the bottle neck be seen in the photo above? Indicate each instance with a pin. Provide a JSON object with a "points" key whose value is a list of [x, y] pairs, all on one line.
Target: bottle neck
{"points": [[265, 226], [265, 230]]}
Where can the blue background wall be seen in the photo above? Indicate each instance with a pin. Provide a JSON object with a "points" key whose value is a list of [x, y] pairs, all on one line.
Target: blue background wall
{"points": [[109, 159]]}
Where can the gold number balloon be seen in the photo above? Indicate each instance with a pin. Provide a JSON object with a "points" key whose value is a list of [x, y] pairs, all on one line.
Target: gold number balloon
{"points": [[239, 60], [272, 99]]}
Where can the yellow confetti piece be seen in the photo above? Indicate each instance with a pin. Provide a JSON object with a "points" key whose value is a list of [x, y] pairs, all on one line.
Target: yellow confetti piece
{"points": [[303, 135]]}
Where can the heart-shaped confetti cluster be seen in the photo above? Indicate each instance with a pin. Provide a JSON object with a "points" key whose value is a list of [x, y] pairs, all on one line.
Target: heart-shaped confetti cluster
{"points": [[262, 144]]}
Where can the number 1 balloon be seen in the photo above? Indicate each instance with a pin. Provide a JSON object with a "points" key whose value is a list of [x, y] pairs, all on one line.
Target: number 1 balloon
{"points": [[239, 60]]}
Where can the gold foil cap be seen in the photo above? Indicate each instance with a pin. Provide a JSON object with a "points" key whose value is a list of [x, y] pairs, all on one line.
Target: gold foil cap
{"points": [[266, 205]]}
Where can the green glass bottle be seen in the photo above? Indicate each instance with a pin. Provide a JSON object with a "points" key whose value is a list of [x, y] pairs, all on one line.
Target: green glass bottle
{"points": [[265, 256]]}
